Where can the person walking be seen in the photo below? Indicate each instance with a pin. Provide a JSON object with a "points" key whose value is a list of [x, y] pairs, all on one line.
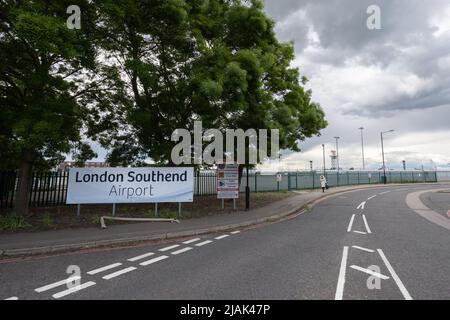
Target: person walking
{"points": [[323, 182]]}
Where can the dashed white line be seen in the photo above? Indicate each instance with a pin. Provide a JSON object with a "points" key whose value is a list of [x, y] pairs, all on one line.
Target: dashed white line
{"points": [[169, 248], [12, 298], [146, 263], [111, 266], [371, 197], [385, 192], [222, 236], [394, 275], [371, 272], [142, 256], [118, 273], [341, 279], [363, 249], [182, 250], [351, 223], [360, 232], [191, 241], [366, 224], [235, 232], [57, 284], [203, 243], [361, 205], [73, 289]]}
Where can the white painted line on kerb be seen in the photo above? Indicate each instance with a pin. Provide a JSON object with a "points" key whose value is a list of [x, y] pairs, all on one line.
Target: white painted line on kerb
{"points": [[222, 236], [360, 232], [363, 249], [146, 263], [111, 266], [368, 271], [361, 205], [182, 250], [169, 248], [57, 284], [118, 273], [371, 197], [351, 223], [235, 232], [366, 224], [203, 243], [73, 289], [191, 241], [341, 279], [142, 256], [394, 275], [12, 298]]}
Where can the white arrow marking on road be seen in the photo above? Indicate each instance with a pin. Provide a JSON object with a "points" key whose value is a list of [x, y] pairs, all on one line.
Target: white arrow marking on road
{"points": [[368, 271], [361, 205], [371, 197], [395, 276], [366, 224], [341, 279], [74, 289], [57, 284], [363, 249], [351, 223], [360, 232]]}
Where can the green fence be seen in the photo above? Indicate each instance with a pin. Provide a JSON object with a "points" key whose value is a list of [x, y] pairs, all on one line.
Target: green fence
{"points": [[50, 188]]}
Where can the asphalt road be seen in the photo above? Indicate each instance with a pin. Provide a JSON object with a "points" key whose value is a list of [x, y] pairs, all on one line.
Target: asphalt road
{"points": [[366, 244]]}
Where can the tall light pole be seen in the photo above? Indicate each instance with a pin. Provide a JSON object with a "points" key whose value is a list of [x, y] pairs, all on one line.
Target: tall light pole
{"points": [[337, 158], [323, 147], [382, 152], [362, 147]]}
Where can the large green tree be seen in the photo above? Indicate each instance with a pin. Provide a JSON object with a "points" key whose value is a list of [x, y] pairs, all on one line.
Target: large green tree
{"points": [[50, 86], [217, 61]]}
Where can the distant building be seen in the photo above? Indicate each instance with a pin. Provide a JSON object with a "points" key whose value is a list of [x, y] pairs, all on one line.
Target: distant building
{"points": [[64, 166]]}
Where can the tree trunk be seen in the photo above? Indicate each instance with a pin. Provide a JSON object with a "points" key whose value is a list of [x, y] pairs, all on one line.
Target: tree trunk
{"points": [[24, 183]]}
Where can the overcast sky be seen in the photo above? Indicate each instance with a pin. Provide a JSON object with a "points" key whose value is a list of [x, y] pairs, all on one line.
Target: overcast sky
{"points": [[394, 78]]}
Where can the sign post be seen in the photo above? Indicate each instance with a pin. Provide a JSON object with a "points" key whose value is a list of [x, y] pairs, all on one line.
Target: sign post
{"points": [[228, 182]]}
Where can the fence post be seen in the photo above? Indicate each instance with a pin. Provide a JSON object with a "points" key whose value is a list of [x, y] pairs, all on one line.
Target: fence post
{"points": [[313, 178], [256, 183], [296, 180]]}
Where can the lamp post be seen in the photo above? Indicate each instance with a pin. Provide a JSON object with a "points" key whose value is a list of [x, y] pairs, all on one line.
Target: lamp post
{"points": [[323, 147], [362, 147], [337, 158], [382, 152]]}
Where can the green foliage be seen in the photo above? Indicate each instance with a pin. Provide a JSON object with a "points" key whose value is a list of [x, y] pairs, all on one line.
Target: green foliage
{"points": [[12, 222], [47, 220]]}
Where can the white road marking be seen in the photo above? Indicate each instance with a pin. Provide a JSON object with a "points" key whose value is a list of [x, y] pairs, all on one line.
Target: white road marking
{"points": [[361, 205], [73, 289], [95, 271], [12, 298], [203, 243], [142, 256], [368, 271], [351, 223], [235, 232], [182, 250], [363, 249], [169, 248], [394, 275], [341, 279], [222, 236], [366, 224], [360, 232], [191, 241], [57, 284], [146, 263], [118, 273], [385, 192], [371, 197]]}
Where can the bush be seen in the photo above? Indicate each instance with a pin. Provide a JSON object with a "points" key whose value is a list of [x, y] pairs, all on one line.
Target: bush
{"points": [[11, 222]]}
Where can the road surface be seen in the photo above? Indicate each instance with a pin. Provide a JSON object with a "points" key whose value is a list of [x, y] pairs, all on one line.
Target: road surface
{"points": [[366, 244]]}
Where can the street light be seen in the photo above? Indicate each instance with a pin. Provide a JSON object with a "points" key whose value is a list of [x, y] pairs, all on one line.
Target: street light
{"points": [[337, 158], [362, 147], [323, 147], [382, 152]]}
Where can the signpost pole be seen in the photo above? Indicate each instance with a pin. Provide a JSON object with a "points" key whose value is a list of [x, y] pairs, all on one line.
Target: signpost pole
{"points": [[114, 210], [156, 209], [234, 204], [78, 209], [179, 209], [223, 204]]}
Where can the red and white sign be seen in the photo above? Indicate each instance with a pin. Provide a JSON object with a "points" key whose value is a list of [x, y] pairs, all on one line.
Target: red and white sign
{"points": [[228, 181]]}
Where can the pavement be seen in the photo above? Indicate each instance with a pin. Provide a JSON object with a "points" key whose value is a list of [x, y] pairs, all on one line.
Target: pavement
{"points": [[437, 201], [48, 242], [363, 244]]}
